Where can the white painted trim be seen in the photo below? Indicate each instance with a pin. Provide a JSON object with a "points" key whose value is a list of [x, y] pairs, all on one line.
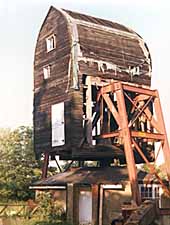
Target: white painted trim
{"points": [[112, 186], [47, 187], [75, 49], [49, 39], [47, 72]]}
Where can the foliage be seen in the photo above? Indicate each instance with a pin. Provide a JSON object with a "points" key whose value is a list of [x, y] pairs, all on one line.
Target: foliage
{"points": [[54, 223], [159, 169], [145, 168], [18, 167], [50, 210], [36, 222]]}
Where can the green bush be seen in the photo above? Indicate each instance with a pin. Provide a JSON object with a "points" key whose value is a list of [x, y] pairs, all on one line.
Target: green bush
{"points": [[49, 223], [18, 167], [44, 222], [49, 210]]}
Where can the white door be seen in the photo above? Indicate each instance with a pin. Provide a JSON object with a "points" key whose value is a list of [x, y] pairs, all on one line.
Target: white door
{"points": [[58, 136], [85, 208]]}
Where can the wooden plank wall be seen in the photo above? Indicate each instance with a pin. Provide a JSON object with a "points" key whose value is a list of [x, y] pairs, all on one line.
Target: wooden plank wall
{"points": [[53, 90], [95, 43], [124, 52]]}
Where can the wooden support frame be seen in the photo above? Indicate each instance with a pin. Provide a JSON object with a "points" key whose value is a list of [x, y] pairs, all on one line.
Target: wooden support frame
{"points": [[160, 120], [45, 165], [151, 167], [58, 165], [141, 100], [101, 204], [68, 166], [125, 134], [88, 110], [137, 134]]}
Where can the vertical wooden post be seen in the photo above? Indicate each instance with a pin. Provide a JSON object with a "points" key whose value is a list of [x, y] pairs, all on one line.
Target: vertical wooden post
{"points": [[160, 120], [125, 135], [100, 204], [95, 202], [45, 165], [89, 110], [101, 116], [108, 124], [70, 203]]}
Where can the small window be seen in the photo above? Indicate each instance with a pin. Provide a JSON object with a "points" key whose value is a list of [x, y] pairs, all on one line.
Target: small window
{"points": [[152, 191], [50, 43], [46, 71]]}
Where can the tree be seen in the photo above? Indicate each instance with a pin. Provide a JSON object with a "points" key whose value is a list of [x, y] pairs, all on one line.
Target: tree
{"points": [[18, 167]]}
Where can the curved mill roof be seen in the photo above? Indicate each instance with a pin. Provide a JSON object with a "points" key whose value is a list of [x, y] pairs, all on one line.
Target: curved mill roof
{"points": [[115, 51]]}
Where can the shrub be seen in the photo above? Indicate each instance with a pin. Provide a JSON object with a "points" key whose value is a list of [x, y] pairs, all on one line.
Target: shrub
{"points": [[49, 210]]}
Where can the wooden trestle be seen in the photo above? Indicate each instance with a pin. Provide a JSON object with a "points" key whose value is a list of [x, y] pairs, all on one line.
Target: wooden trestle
{"points": [[146, 107]]}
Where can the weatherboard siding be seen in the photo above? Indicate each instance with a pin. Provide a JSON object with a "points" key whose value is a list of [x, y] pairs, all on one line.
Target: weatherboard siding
{"points": [[90, 46], [52, 90]]}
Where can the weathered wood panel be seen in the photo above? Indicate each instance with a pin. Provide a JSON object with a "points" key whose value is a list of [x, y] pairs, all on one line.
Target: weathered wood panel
{"points": [[98, 21], [111, 74], [100, 47], [52, 90], [107, 50]]}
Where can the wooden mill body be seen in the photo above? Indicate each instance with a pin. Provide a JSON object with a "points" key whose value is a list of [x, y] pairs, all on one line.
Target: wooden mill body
{"points": [[86, 54]]}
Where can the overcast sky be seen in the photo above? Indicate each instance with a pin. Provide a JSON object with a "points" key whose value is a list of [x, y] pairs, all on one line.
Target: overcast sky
{"points": [[20, 22]]}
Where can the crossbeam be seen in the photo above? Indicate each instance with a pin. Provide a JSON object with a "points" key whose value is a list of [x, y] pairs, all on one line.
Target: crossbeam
{"points": [[137, 134]]}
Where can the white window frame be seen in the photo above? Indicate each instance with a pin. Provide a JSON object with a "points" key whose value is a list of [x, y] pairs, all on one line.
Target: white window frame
{"points": [[47, 72], [153, 194], [51, 42]]}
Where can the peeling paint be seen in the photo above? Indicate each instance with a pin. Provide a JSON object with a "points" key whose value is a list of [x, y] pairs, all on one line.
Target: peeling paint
{"points": [[76, 54], [145, 51], [75, 51], [102, 65], [134, 71], [146, 54]]}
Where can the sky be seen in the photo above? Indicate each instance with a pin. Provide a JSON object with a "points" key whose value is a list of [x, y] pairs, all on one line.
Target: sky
{"points": [[20, 22]]}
